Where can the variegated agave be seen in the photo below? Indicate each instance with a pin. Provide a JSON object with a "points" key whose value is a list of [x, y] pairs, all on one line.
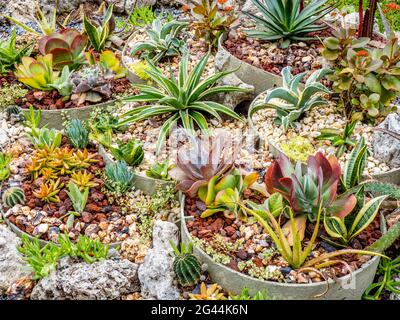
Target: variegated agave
{"points": [[290, 101], [205, 159], [306, 191]]}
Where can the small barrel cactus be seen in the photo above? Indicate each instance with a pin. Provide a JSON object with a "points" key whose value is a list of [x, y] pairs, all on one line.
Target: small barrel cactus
{"points": [[186, 266], [13, 196]]}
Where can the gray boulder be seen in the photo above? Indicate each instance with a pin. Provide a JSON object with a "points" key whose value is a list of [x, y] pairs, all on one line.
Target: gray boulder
{"points": [[12, 267], [156, 274], [387, 148], [104, 280]]}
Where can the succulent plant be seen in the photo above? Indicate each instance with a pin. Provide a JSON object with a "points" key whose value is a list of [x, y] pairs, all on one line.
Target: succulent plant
{"points": [[340, 139], [186, 266], [90, 84], [45, 138], [63, 84], [37, 74], [131, 152], [354, 166], [291, 102], [185, 98], [142, 16], [83, 180], [163, 40], [208, 293], [119, 178], [207, 158], [48, 191], [298, 148], [284, 21], [67, 47], [140, 68], [209, 22], [5, 160], [77, 134], [367, 80], [99, 35], [159, 171], [10, 55], [79, 199], [13, 196], [110, 62], [305, 192]]}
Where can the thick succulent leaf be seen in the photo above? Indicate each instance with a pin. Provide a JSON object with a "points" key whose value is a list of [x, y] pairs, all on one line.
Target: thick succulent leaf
{"points": [[342, 206]]}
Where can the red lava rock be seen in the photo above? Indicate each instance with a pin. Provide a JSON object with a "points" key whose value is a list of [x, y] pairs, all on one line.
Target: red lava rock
{"points": [[63, 195], [258, 262], [241, 254], [31, 203], [12, 219], [100, 217], [233, 265], [204, 233], [216, 225], [87, 217], [230, 231], [93, 208]]}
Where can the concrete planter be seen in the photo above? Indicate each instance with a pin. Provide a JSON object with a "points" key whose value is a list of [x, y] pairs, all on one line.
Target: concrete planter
{"points": [[56, 118], [350, 287], [392, 176], [146, 184]]}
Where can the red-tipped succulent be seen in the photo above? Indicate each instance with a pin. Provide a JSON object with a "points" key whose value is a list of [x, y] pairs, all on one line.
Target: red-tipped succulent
{"points": [[305, 191], [206, 159], [67, 47]]}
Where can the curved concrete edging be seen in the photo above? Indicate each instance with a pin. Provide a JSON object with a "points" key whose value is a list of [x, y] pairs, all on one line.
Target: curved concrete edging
{"points": [[350, 287]]}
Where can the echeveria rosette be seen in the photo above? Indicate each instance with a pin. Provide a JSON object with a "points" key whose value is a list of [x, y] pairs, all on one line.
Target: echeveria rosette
{"points": [[206, 159], [305, 192], [67, 47]]}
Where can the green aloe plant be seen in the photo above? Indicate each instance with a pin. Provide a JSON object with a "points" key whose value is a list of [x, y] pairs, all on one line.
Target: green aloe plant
{"points": [[284, 21], [290, 101], [184, 98], [10, 55]]}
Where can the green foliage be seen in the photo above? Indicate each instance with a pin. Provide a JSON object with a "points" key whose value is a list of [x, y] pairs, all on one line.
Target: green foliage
{"points": [[183, 99], [345, 229], [298, 148], [77, 134], [260, 295], [45, 138], [291, 102], [209, 22], [110, 62], [37, 74], [63, 84], [186, 266], [10, 93], [119, 177], [5, 160], [13, 196], [47, 27], [67, 47], [140, 68], [354, 166], [387, 271], [386, 240], [142, 16], [284, 21], [32, 118], [159, 170], [48, 191], [79, 200], [131, 152], [43, 260], [98, 36], [367, 79], [10, 55], [163, 41], [340, 139]]}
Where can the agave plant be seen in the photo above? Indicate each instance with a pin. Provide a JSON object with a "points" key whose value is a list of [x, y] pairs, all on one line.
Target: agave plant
{"points": [[10, 55], [37, 74], [183, 99], [283, 20], [67, 47], [206, 158], [306, 191], [291, 102], [163, 40]]}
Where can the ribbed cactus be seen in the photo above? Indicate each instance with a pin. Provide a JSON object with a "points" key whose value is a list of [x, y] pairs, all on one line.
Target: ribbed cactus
{"points": [[13, 196], [186, 266]]}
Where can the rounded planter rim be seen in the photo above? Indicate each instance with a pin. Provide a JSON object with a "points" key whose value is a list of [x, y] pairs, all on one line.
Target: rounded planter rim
{"points": [[147, 184], [392, 176], [369, 266]]}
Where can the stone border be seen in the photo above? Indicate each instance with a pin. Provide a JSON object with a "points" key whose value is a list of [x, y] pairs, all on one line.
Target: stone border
{"points": [[349, 287]]}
